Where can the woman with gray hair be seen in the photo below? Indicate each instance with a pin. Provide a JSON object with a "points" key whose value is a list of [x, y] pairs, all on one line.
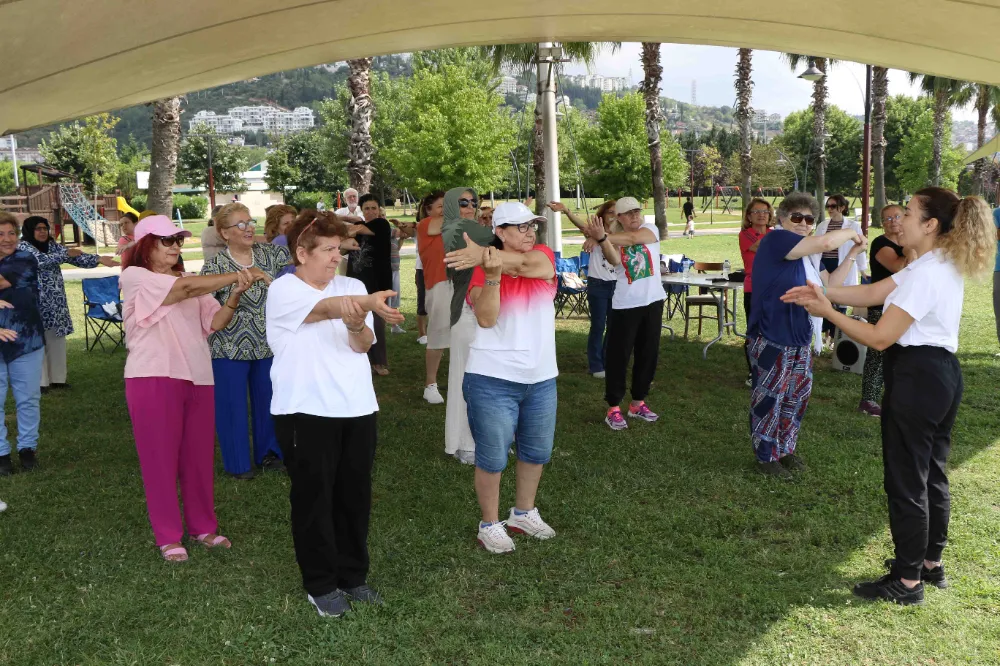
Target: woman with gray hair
{"points": [[780, 336]]}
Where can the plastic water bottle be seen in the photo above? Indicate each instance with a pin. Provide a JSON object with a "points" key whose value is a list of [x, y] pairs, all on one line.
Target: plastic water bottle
{"points": [[725, 269]]}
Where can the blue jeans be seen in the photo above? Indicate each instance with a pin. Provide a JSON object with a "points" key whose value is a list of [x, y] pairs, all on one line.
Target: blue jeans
{"points": [[233, 379], [499, 410], [24, 374], [599, 295]]}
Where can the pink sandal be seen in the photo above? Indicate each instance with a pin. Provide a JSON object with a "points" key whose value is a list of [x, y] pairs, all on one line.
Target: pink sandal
{"points": [[174, 552], [213, 540]]}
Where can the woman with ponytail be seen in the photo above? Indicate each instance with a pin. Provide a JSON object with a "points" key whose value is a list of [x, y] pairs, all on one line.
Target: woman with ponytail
{"points": [[950, 239]]}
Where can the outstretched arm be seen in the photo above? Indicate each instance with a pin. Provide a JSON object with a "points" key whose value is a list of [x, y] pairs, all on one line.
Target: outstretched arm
{"points": [[531, 264], [334, 307], [880, 336], [825, 243]]}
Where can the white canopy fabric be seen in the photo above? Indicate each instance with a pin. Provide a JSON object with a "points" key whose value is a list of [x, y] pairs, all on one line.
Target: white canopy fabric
{"points": [[988, 150], [62, 59]]}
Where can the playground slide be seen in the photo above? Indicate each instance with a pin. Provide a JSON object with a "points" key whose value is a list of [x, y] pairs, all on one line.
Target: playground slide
{"points": [[123, 207]]}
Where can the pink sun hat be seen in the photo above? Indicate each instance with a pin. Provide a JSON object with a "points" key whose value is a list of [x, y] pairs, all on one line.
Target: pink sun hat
{"points": [[159, 225]]}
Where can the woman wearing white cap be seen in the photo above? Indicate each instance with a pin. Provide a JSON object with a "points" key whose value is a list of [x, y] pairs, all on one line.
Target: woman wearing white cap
{"points": [[636, 310], [510, 375], [168, 381]]}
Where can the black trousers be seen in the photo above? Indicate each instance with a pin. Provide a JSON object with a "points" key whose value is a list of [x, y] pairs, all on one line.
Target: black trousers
{"points": [[746, 343], [377, 353], [923, 389], [329, 463], [632, 329]]}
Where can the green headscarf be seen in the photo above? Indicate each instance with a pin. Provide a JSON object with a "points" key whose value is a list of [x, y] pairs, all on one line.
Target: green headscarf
{"points": [[452, 235]]}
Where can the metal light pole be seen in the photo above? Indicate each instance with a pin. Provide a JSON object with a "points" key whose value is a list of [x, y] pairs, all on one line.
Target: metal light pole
{"points": [[866, 170], [13, 157], [548, 54], [791, 164]]}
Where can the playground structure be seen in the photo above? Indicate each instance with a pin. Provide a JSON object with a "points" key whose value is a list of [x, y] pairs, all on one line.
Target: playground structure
{"points": [[64, 204]]}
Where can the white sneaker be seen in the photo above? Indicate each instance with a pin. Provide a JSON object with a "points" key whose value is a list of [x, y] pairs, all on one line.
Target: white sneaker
{"points": [[494, 539], [396, 328], [599, 375], [3, 506], [530, 523], [466, 457], [422, 340], [432, 395]]}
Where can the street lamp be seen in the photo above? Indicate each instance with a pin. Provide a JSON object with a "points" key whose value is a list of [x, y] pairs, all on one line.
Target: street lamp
{"points": [[790, 163], [812, 72]]}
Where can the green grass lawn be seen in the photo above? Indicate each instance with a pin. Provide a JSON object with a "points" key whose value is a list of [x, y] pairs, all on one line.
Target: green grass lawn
{"points": [[670, 548]]}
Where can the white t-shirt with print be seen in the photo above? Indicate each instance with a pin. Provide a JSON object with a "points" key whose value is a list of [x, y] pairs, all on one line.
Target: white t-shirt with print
{"points": [[931, 291], [315, 371], [639, 274], [599, 267]]}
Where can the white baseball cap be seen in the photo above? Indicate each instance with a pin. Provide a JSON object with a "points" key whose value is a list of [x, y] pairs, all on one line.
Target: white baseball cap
{"points": [[513, 212], [625, 204]]}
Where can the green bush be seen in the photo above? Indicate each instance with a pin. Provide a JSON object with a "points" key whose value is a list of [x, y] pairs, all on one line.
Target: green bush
{"points": [[309, 199], [190, 208], [138, 201]]}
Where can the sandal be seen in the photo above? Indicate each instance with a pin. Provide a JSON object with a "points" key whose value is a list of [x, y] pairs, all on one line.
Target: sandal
{"points": [[213, 540], [174, 552], [380, 370]]}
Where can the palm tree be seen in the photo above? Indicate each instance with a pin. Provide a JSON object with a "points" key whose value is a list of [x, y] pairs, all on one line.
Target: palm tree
{"points": [[163, 159], [744, 93], [880, 93], [650, 88], [819, 96], [944, 93], [986, 99], [361, 110]]}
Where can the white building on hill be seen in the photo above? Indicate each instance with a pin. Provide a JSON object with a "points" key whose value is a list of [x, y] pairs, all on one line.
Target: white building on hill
{"points": [[257, 119]]}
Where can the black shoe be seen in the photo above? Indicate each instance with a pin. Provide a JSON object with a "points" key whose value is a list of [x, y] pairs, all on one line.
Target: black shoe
{"points": [[773, 469], [890, 588], [933, 576], [64, 385], [332, 604], [28, 459], [272, 463], [245, 476], [363, 594], [6, 469], [793, 463]]}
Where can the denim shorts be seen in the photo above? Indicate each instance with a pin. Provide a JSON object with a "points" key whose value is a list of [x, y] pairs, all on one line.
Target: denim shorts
{"points": [[500, 410]]}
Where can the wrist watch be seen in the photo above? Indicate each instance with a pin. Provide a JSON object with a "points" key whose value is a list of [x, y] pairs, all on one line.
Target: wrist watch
{"points": [[492, 283]]}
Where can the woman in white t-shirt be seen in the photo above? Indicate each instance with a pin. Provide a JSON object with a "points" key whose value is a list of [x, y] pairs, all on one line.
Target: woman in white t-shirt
{"points": [[636, 310], [320, 327], [510, 375], [951, 238]]}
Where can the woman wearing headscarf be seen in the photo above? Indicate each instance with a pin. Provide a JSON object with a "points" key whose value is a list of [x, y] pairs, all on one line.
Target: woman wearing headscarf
{"points": [[35, 239]]}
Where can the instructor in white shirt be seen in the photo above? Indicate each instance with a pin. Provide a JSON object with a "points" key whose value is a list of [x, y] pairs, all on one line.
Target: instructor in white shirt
{"points": [[952, 239]]}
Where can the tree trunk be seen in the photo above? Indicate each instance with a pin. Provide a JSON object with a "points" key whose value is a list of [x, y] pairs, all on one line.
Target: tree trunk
{"points": [[744, 92], [983, 109], [880, 93], [163, 159], [361, 111], [819, 134], [538, 162], [940, 114], [651, 92]]}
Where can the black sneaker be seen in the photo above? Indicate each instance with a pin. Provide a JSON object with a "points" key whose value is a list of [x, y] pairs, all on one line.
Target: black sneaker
{"points": [[890, 588], [28, 459], [332, 604], [933, 576], [272, 463], [245, 476], [793, 463], [6, 469], [55, 386], [363, 594], [773, 469]]}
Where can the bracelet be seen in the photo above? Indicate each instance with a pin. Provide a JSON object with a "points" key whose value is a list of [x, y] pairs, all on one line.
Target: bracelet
{"points": [[493, 283], [355, 332], [603, 239], [231, 307]]}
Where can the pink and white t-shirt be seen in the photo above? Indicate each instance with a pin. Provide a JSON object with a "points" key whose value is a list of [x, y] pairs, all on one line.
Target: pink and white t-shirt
{"points": [[521, 346], [165, 340]]}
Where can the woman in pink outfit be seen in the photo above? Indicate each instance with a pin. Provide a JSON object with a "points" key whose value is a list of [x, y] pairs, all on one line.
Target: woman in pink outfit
{"points": [[168, 381]]}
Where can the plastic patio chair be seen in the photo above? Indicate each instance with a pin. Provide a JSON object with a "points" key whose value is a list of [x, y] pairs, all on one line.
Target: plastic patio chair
{"points": [[102, 305]]}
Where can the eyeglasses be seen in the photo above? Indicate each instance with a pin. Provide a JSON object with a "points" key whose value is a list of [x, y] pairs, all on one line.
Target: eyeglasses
{"points": [[892, 218], [243, 226], [832, 206], [465, 203], [761, 211], [523, 228], [799, 217], [167, 241]]}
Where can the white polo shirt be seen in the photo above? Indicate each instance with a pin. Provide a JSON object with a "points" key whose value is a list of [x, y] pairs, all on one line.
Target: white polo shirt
{"points": [[931, 291]]}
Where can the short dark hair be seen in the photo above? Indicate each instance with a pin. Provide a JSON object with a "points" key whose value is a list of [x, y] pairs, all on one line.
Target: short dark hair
{"points": [[366, 198], [132, 216], [840, 200], [795, 200]]}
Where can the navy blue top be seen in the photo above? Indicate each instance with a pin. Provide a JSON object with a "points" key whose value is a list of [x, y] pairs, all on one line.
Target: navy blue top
{"points": [[21, 270], [785, 324]]}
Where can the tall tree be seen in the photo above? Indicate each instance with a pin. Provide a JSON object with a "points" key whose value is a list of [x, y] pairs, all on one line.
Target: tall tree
{"points": [[228, 161], [817, 155], [986, 98], [361, 110], [914, 162], [87, 150], [843, 169], [744, 94], [880, 93], [944, 93], [163, 160], [652, 74], [901, 115]]}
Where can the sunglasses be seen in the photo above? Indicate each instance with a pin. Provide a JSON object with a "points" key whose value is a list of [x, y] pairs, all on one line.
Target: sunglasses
{"points": [[167, 241], [832, 206], [523, 228], [465, 203], [799, 217], [243, 226]]}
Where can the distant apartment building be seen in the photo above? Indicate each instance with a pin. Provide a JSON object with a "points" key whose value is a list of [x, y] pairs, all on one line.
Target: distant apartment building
{"points": [[257, 119], [602, 83], [508, 86]]}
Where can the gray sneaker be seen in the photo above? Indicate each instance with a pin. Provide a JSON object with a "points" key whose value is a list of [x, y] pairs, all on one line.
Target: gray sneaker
{"points": [[362, 594], [332, 604]]}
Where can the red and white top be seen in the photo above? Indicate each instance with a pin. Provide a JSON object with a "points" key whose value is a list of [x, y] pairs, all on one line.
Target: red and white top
{"points": [[521, 346]]}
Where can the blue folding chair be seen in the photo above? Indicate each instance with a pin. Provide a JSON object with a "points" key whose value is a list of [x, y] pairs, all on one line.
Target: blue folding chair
{"points": [[676, 292], [584, 264], [574, 297], [102, 314]]}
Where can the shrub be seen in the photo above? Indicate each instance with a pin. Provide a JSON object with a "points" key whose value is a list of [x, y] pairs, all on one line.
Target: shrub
{"points": [[190, 208], [138, 201]]}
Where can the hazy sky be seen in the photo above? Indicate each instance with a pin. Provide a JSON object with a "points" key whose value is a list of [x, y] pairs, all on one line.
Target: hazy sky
{"points": [[776, 88]]}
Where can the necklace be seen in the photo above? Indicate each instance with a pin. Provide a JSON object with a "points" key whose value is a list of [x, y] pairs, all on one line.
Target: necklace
{"points": [[244, 267]]}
